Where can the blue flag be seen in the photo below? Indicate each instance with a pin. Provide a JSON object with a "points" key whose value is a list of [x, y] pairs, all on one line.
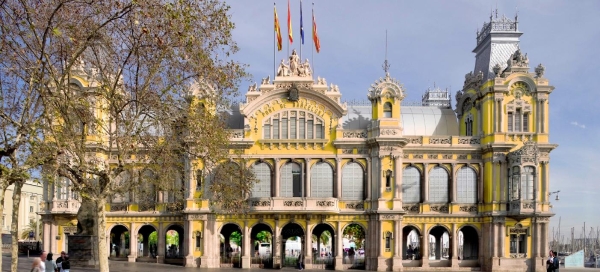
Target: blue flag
{"points": [[301, 26]]}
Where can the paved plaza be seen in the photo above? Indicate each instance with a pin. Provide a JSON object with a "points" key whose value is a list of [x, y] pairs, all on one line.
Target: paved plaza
{"points": [[115, 266]]}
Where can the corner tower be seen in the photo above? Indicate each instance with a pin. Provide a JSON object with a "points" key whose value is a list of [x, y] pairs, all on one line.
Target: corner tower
{"points": [[496, 42]]}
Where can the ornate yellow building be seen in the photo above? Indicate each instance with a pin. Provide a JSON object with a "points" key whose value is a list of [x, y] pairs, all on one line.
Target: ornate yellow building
{"points": [[427, 185]]}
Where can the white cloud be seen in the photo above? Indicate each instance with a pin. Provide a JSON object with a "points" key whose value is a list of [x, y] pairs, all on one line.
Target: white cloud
{"points": [[577, 124]]}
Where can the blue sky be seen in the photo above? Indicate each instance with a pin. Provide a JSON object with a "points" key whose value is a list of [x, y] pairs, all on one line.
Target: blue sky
{"points": [[430, 42]]}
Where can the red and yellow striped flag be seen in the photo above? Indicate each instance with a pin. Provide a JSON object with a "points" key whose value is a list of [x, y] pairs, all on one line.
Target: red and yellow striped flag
{"points": [[290, 24], [316, 40], [277, 29]]}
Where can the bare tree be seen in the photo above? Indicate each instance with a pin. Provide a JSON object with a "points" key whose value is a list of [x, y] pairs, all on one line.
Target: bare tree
{"points": [[124, 86]]}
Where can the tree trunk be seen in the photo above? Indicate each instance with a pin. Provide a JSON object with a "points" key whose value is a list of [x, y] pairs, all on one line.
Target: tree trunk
{"points": [[14, 227], [2, 192], [101, 234]]}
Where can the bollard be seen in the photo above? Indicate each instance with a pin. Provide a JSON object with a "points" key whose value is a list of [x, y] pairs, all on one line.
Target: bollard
{"points": [[27, 253]]}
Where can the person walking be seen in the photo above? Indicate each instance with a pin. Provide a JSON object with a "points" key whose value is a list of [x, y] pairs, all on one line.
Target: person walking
{"points": [[554, 265], [50, 265], [66, 264], [35, 266], [301, 261], [59, 261]]}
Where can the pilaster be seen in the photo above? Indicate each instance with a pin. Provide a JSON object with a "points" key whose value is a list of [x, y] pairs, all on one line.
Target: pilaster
{"points": [[133, 238], [308, 178], [339, 245], [188, 241], [246, 261], [275, 192]]}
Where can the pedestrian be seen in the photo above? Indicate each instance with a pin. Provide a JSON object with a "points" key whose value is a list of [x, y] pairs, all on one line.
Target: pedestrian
{"points": [[301, 261], [49, 264], [35, 266], [351, 253], [59, 261], [66, 264], [42, 261]]}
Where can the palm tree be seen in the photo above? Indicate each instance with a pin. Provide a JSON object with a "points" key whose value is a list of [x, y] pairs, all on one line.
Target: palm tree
{"points": [[33, 226]]}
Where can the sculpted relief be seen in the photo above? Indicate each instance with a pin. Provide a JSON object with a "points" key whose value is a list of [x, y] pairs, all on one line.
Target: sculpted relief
{"points": [[294, 67]]}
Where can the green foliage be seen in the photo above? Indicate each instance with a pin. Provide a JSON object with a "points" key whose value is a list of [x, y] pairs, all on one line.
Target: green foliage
{"points": [[264, 237], [172, 237], [236, 237], [153, 238], [356, 233]]}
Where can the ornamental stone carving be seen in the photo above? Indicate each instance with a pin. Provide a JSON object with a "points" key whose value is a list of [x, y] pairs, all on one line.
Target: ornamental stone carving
{"points": [[433, 156], [386, 87], [469, 141], [528, 153], [387, 217], [355, 134], [462, 156], [118, 207], [418, 156], [471, 81], [439, 140], [355, 206], [439, 208], [539, 71], [294, 67], [415, 140], [290, 203], [471, 208], [261, 203], [325, 203], [411, 208], [447, 156], [388, 132]]}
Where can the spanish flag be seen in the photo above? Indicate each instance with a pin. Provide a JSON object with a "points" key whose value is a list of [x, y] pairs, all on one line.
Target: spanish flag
{"points": [[290, 24], [315, 34], [277, 29]]}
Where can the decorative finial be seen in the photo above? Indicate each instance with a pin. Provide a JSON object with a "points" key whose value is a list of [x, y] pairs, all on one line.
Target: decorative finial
{"points": [[386, 65]]}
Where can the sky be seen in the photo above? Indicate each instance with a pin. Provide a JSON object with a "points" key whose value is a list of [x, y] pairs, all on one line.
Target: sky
{"points": [[430, 43]]}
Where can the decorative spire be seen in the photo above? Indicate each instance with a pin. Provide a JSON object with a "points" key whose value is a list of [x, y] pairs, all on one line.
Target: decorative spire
{"points": [[386, 65]]}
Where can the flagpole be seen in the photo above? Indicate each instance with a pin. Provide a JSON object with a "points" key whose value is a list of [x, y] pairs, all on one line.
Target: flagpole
{"points": [[301, 31], [274, 47], [288, 27], [312, 51]]}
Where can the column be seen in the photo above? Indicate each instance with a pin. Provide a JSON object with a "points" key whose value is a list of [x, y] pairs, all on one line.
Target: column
{"points": [[502, 240], [453, 184], [425, 188], [276, 245], [397, 261], [161, 244], [494, 234], [308, 187], [495, 116], [454, 245], [133, 247], [308, 251], [540, 238], [338, 178], [53, 233], [543, 115], [381, 175], [480, 184], [47, 235], [204, 243], [425, 247], [500, 115], [339, 245], [398, 176], [275, 192], [246, 245], [369, 178], [188, 239], [544, 244]]}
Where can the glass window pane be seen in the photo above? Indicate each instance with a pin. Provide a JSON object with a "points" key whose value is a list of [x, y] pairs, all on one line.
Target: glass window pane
{"points": [[301, 126], [284, 128], [262, 188], [411, 185], [510, 121], [267, 131], [276, 129], [293, 128], [466, 186], [319, 131], [321, 180], [352, 181], [310, 125], [438, 185], [518, 121]]}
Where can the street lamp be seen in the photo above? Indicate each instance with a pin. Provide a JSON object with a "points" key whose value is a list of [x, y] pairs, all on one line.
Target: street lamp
{"points": [[554, 193]]}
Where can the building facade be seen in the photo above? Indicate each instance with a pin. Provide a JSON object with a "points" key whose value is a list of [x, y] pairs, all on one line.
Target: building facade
{"points": [[29, 207], [405, 186]]}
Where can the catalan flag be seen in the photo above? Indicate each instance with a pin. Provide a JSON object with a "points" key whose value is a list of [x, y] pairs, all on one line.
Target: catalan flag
{"points": [[277, 29], [290, 24], [315, 34]]}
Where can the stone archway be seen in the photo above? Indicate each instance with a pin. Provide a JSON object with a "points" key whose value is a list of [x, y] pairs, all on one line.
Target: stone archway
{"points": [[230, 246], [261, 239], [323, 246], [411, 247], [353, 243], [119, 243], [147, 244], [174, 249], [292, 239], [468, 246], [439, 247]]}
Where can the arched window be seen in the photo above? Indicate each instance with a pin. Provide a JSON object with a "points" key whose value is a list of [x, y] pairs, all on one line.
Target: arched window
{"points": [[387, 110], [438, 185], [527, 180], [352, 181], [145, 192], [122, 195], [291, 180], [411, 185], [262, 172], [466, 185], [321, 180], [62, 188]]}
